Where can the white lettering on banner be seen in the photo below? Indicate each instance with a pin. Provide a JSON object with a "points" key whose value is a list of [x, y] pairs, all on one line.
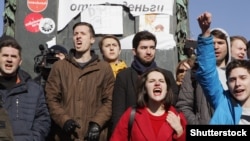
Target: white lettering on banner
{"points": [[33, 23], [68, 9]]}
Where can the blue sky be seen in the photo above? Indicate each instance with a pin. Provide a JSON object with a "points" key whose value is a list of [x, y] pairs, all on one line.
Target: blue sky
{"points": [[231, 15]]}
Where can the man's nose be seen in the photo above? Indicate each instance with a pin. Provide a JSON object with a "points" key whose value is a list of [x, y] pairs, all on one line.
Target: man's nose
{"points": [[237, 82], [157, 83], [9, 58], [148, 51]]}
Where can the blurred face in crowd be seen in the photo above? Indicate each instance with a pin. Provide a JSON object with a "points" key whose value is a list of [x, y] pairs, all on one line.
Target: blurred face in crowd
{"points": [[60, 55], [156, 87], [248, 52], [82, 38], [238, 49], [181, 71], [220, 47], [10, 60], [238, 84], [145, 51], [111, 50]]}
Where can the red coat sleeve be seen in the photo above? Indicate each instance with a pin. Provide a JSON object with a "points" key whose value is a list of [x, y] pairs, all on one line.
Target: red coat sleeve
{"points": [[184, 124], [121, 130]]}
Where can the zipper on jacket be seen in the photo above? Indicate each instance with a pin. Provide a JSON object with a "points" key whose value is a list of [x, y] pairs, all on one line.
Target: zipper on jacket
{"points": [[17, 107]]}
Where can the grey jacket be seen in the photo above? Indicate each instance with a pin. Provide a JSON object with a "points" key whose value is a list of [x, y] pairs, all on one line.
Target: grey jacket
{"points": [[192, 101]]}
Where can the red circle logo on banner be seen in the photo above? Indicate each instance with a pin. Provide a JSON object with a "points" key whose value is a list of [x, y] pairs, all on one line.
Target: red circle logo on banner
{"points": [[31, 22], [37, 5]]}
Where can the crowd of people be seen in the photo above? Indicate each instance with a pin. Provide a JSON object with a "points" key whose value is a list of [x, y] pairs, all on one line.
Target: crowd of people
{"points": [[87, 97]]}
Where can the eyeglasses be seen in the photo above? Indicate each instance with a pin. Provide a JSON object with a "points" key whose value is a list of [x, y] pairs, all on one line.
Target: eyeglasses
{"points": [[181, 70]]}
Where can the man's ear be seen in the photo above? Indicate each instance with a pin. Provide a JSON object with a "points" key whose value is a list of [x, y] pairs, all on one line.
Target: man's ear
{"points": [[92, 40], [134, 51], [120, 51], [20, 62]]}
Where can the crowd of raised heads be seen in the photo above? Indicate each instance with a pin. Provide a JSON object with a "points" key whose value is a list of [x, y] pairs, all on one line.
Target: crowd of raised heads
{"points": [[238, 48], [206, 91], [231, 104], [85, 96]]}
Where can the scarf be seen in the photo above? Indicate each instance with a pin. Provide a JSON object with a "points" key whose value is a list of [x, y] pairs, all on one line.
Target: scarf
{"points": [[141, 68], [8, 82]]}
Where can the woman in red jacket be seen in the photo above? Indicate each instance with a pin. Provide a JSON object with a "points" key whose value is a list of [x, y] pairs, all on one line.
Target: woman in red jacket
{"points": [[155, 118]]}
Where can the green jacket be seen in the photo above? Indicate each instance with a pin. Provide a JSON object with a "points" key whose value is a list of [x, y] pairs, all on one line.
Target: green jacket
{"points": [[5, 127]]}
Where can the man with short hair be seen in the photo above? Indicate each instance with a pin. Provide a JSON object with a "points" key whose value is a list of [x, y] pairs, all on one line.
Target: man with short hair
{"points": [[192, 101], [79, 90], [22, 98], [231, 106], [110, 48]]}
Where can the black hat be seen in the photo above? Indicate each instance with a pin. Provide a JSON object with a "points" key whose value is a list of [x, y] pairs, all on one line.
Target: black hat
{"points": [[59, 49]]}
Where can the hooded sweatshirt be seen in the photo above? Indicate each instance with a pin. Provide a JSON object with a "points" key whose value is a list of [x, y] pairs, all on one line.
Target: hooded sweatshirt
{"points": [[221, 71]]}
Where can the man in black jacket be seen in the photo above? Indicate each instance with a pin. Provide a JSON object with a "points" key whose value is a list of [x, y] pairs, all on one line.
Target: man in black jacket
{"points": [[23, 98], [124, 95]]}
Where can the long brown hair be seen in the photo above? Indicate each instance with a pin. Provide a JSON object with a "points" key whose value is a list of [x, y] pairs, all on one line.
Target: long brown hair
{"points": [[142, 95]]}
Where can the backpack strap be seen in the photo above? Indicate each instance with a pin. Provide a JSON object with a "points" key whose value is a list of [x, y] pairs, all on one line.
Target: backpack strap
{"points": [[131, 120]]}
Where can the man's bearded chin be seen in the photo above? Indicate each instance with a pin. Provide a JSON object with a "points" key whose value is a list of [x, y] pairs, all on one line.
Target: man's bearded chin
{"points": [[146, 63]]}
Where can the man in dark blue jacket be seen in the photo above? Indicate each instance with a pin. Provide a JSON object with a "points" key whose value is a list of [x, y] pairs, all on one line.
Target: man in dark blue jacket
{"points": [[22, 97]]}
